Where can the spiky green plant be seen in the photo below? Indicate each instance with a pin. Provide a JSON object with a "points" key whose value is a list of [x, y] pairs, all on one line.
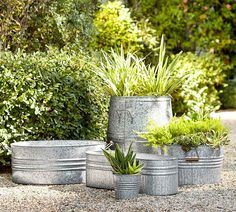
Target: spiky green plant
{"points": [[128, 75], [121, 163]]}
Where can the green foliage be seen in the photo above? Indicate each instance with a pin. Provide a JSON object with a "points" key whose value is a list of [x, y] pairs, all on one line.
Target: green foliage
{"points": [[228, 97], [33, 25], [128, 75], [116, 28], [201, 89], [188, 133], [121, 163], [200, 25], [49, 96]]}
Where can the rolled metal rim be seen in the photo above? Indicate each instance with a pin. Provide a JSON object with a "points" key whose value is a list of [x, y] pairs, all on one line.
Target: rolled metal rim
{"points": [[56, 143], [98, 152], [161, 98], [151, 157]]}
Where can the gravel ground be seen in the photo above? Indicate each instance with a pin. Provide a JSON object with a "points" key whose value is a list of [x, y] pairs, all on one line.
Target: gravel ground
{"points": [[220, 197]]}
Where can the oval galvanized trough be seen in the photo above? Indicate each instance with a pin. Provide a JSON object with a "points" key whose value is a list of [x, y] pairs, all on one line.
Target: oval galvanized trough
{"points": [[198, 166], [98, 171], [159, 175], [131, 114], [51, 162]]}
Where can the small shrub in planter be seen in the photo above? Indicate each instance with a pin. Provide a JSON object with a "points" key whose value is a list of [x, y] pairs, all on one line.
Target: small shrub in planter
{"points": [[126, 170], [198, 144]]}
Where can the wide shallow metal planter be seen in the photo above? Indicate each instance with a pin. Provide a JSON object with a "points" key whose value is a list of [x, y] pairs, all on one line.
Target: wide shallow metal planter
{"points": [[127, 186], [159, 175], [129, 115], [98, 171], [51, 162], [202, 165]]}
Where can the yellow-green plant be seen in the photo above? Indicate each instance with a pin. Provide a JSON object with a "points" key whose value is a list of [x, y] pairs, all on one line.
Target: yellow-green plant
{"points": [[188, 133], [128, 75]]}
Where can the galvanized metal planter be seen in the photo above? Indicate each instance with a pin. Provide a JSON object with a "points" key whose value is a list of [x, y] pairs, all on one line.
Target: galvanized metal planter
{"points": [[51, 162], [129, 115], [159, 175], [127, 186], [98, 171], [199, 166]]}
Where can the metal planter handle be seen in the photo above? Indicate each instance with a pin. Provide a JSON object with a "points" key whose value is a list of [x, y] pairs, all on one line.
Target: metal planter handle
{"points": [[192, 158]]}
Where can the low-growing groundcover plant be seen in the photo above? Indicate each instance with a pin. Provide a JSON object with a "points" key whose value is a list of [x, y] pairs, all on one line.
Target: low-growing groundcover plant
{"points": [[128, 75], [122, 163], [45, 96], [189, 133]]}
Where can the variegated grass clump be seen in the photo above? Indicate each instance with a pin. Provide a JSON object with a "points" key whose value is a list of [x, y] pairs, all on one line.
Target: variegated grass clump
{"points": [[128, 75]]}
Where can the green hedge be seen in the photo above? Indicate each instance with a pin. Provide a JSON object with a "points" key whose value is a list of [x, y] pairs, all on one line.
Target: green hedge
{"points": [[201, 90], [228, 98], [49, 96]]}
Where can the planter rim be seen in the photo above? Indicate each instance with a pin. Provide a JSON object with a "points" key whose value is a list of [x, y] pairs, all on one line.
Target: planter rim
{"points": [[142, 97], [127, 174], [201, 146], [96, 152], [151, 157], [53, 143]]}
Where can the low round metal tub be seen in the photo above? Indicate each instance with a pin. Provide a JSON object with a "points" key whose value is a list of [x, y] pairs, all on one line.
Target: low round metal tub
{"points": [[51, 162], [159, 175], [198, 166], [98, 171]]}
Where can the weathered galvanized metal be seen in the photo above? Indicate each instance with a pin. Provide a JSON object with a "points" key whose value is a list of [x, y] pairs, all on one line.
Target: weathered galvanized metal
{"points": [[127, 186], [159, 175], [199, 166], [129, 115], [98, 171], [51, 162]]}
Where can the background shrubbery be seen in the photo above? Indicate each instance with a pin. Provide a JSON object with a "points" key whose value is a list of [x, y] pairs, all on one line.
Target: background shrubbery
{"points": [[201, 89], [49, 95]]}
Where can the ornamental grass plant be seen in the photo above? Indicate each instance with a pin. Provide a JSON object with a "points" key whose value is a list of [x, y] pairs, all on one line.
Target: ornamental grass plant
{"points": [[128, 75]]}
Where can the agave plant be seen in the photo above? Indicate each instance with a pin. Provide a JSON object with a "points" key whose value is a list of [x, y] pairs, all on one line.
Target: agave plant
{"points": [[128, 75], [121, 163]]}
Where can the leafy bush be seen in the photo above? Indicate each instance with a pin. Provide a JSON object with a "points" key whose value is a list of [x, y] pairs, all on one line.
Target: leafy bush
{"points": [[128, 75], [200, 91], [228, 97], [115, 27], [49, 96], [33, 25], [200, 25], [188, 133]]}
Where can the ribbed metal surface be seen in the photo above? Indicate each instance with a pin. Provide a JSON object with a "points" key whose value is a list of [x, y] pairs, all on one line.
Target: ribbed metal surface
{"points": [[129, 115], [98, 171], [51, 162], [127, 186], [199, 166], [159, 175]]}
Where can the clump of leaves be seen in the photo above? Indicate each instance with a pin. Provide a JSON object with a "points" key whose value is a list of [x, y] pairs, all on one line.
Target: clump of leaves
{"points": [[128, 75], [188, 133], [121, 163]]}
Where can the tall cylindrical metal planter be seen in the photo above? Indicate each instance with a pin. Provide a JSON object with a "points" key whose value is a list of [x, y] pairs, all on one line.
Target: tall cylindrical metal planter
{"points": [[98, 171], [51, 162], [159, 175], [129, 115], [127, 186], [198, 166]]}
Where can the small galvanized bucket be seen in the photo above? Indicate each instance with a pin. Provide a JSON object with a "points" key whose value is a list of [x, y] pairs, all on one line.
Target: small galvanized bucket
{"points": [[98, 171], [127, 186], [201, 165], [131, 114], [159, 175]]}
